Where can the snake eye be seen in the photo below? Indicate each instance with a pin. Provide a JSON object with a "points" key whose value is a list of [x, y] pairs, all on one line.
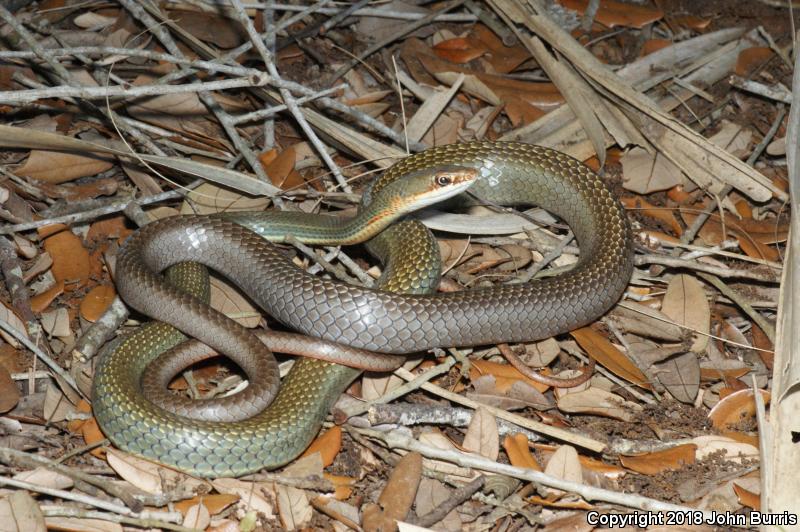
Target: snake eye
{"points": [[443, 180]]}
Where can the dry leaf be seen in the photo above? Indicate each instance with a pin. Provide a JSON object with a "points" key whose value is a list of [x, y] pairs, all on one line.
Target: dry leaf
{"points": [[751, 58], [644, 172], [685, 303], [519, 395], [209, 198], [459, 50], [293, 507], [431, 494], [609, 356], [59, 167], [656, 462], [598, 402], [252, 494], [149, 476], [397, 496], [645, 321], [280, 167], [505, 375], [482, 436], [612, 14], [215, 503], [71, 263], [733, 138], [564, 464], [735, 408], [680, 375], [56, 323], [734, 450], [328, 445], [41, 301], [660, 214], [9, 392], [197, 516], [8, 316], [56, 405], [519, 454], [20, 513], [97, 301], [228, 300]]}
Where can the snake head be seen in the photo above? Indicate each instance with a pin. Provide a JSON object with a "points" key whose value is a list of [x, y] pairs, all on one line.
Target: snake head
{"points": [[428, 186]]}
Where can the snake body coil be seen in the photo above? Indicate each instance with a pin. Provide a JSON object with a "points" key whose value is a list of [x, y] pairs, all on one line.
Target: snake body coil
{"points": [[511, 174]]}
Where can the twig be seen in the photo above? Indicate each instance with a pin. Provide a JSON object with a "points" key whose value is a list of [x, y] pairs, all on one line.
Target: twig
{"points": [[674, 262], [52, 364], [456, 498], [369, 12], [398, 440], [99, 93], [541, 428], [743, 303], [134, 501], [288, 99], [402, 32], [551, 255], [701, 219], [170, 517], [265, 113], [400, 391], [49, 510], [407, 414], [66, 77], [777, 93]]}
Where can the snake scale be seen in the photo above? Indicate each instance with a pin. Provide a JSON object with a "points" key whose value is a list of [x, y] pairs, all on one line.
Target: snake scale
{"points": [[373, 319]]}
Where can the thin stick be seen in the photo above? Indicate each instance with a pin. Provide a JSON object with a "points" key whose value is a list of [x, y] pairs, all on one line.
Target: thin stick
{"points": [[402, 32]]}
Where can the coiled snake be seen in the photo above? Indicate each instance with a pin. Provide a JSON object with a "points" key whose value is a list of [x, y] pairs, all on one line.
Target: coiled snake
{"points": [[373, 319]]}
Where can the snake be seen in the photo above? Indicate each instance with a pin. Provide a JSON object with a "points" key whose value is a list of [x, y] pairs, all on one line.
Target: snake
{"points": [[399, 317]]}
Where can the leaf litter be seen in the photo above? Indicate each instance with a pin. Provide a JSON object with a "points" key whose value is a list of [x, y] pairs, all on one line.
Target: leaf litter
{"points": [[670, 411]]}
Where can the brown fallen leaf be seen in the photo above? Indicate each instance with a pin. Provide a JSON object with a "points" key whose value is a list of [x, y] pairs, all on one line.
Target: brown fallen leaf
{"points": [[20, 512], [60, 167], [482, 436], [459, 50], [680, 375], [397, 496], [328, 444], [519, 454], [613, 14], [215, 502], [735, 408], [657, 462], [71, 263], [9, 392], [95, 303], [279, 166], [751, 58], [598, 402], [564, 464], [197, 516], [505, 375], [293, 507], [685, 303], [747, 498], [644, 172], [209, 198], [41, 301], [606, 354], [211, 27], [660, 214]]}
